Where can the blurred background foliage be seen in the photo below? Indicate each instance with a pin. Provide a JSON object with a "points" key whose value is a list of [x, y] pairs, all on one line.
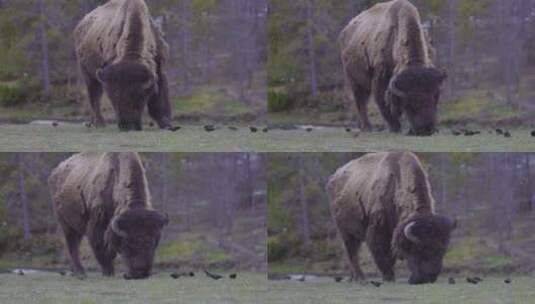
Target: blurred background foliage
{"points": [[491, 196], [216, 204], [216, 69], [486, 46]]}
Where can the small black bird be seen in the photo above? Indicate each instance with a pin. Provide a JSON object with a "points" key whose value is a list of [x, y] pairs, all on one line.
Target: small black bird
{"points": [[456, 133], [174, 129], [302, 279], [233, 276], [209, 128], [472, 280], [338, 279], [253, 129], [376, 284], [212, 275], [175, 275], [87, 125], [499, 131], [507, 281], [532, 133], [309, 129], [232, 128], [20, 272], [191, 274], [265, 130], [55, 124], [348, 130], [507, 134], [62, 272], [451, 281], [151, 124]]}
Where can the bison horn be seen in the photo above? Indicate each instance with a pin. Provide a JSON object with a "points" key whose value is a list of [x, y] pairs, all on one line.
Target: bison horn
{"points": [[115, 227], [409, 234], [394, 89]]}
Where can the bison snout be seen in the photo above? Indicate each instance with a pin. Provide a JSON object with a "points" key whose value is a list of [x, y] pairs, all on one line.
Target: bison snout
{"points": [[137, 275], [424, 131], [130, 126], [428, 279]]}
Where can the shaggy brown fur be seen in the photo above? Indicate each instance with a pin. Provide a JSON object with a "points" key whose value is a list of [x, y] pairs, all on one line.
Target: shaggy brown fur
{"points": [[121, 49], [386, 46], [373, 199], [90, 190]]}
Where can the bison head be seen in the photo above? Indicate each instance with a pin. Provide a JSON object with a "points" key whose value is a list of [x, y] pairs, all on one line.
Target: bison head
{"points": [[128, 85], [416, 92], [423, 242], [136, 235]]}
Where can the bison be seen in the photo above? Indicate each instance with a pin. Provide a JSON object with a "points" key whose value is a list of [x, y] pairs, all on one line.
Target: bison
{"points": [[119, 48], [105, 197], [385, 52], [385, 199]]}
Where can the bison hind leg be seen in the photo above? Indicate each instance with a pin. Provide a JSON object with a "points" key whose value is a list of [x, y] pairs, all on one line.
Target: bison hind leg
{"points": [[73, 240]]}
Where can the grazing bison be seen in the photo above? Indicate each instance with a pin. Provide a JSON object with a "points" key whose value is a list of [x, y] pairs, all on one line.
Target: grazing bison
{"points": [[385, 53], [105, 197], [385, 199], [119, 48]]}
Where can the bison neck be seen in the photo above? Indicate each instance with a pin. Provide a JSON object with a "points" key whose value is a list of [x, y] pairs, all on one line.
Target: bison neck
{"points": [[131, 188]]}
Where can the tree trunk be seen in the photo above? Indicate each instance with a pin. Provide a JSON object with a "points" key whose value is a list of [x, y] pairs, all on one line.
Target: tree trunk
{"points": [[311, 48], [23, 198], [304, 203], [45, 68]]}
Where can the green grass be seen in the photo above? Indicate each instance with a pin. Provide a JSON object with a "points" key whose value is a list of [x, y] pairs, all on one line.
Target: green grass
{"points": [[337, 140], [490, 291], [160, 288], [75, 137]]}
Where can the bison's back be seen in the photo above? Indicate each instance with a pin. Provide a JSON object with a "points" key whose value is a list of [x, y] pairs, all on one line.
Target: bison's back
{"points": [[379, 183], [378, 38]]}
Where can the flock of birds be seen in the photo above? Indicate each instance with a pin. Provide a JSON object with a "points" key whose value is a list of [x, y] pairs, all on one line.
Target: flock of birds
{"points": [[472, 280], [174, 275], [455, 132]]}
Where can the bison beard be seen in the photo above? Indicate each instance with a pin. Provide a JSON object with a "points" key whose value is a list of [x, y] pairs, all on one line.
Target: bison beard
{"points": [[385, 53], [105, 197], [120, 51], [385, 200]]}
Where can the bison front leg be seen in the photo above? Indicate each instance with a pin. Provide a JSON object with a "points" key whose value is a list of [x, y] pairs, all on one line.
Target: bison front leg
{"points": [[94, 91], [102, 252], [380, 86], [159, 104], [352, 246], [361, 97], [379, 239]]}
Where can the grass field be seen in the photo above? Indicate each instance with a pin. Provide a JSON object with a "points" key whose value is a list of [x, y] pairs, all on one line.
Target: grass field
{"points": [[52, 288], [490, 291], [76, 137], [193, 138]]}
